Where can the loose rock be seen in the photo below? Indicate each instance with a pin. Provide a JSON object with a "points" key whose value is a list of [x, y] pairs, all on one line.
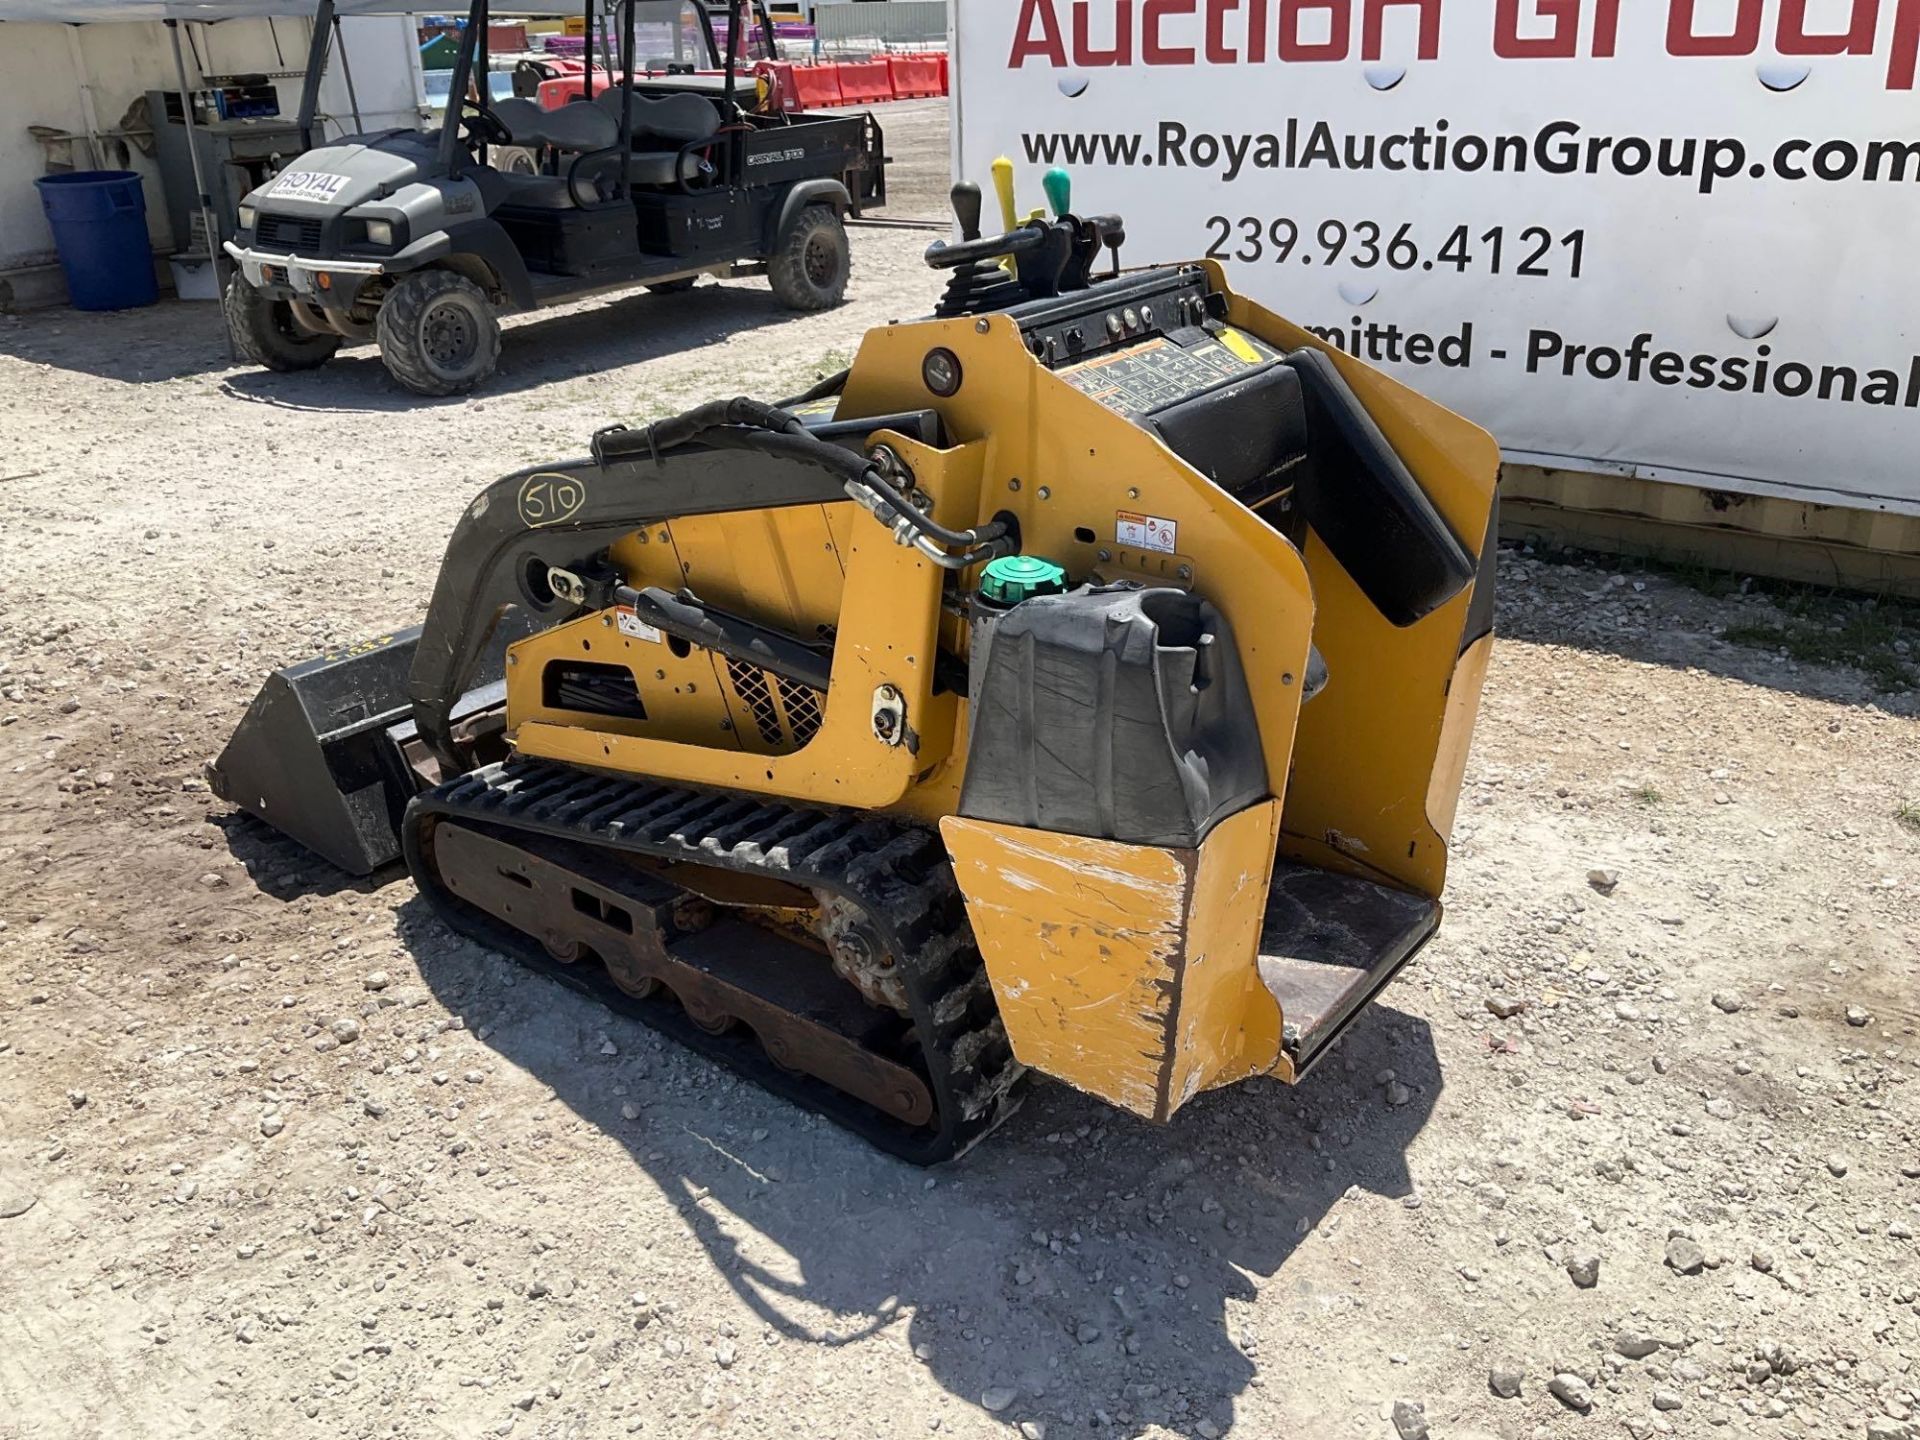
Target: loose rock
{"points": [[1685, 1256], [1505, 1380], [1584, 1270], [1634, 1345], [1410, 1419], [1571, 1391]]}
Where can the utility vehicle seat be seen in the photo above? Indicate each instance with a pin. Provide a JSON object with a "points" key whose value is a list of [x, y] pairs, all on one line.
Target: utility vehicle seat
{"points": [[663, 122], [662, 126], [575, 128]]}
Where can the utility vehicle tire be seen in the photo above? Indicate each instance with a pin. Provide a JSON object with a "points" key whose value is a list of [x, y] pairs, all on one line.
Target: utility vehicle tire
{"points": [[264, 330], [810, 267], [675, 287], [438, 334]]}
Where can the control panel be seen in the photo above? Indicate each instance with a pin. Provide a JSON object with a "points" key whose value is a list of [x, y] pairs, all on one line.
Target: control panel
{"points": [[1142, 343], [1138, 343]]}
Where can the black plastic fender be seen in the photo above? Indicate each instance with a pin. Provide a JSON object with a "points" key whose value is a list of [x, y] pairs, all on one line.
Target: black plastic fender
{"points": [[803, 194], [486, 241]]}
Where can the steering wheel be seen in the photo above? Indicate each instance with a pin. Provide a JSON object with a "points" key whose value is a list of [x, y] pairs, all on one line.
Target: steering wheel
{"points": [[484, 125]]}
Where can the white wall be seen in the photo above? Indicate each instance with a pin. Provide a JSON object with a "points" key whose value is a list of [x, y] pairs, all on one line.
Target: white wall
{"points": [[384, 51], [40, 84]]}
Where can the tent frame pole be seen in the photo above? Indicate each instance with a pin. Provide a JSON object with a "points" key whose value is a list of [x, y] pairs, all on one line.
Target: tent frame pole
{"points": [[346, 71], [317, 44], [214, 252]]}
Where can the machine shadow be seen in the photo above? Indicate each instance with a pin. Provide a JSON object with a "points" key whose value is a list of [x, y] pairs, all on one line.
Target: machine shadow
{"points": [[176, 340], [285, 869], [536, 351], [1078, 1267]]}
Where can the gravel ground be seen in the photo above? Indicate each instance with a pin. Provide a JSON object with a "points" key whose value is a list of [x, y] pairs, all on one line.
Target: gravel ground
{"points": [[1631, 1147]]}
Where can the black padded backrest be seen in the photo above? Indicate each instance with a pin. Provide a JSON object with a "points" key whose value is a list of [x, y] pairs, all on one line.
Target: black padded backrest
{"points": [[577, 128], [1363, 502], [673, 120], [1247, 436]]}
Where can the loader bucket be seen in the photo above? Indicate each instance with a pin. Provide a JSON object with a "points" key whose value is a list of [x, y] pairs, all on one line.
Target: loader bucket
{"points": [[327, 753]]}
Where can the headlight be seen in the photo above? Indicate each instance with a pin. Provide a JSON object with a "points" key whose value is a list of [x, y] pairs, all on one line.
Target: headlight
{"points": [[380, 232], [246, 217]]}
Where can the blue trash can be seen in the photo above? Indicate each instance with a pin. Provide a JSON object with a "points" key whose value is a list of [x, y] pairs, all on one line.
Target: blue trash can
{"points": [[99, 220]]}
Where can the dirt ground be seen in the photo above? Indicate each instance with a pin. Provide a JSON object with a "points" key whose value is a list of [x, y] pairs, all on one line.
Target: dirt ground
{"points": [[499, 1210]]}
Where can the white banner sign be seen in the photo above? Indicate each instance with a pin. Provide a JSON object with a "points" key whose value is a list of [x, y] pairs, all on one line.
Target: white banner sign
{"points": [[1677, 238]]}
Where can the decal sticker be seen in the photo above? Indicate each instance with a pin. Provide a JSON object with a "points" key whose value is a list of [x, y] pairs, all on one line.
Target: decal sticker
{"points": [[1145, 532], [550, 498], [634, 627], [308, 185]]}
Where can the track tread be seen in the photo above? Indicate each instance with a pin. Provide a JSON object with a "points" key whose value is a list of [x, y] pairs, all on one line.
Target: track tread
{"points": [[896, 872]]}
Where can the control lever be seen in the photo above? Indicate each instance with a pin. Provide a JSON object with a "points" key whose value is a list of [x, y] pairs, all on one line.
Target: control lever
{"points": [[966, 208], [983, 274], [1043, 269], [1059, 187], [1112, 231], [943, 255], [1036, 259]]}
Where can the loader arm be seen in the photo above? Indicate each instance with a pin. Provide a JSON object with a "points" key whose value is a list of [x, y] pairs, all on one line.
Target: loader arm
{"points": [[566, 516]]}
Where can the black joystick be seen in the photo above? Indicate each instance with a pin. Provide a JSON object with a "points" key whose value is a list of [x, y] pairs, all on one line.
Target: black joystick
{"points": [[966, 208], [1113, 234], [979, 285]]}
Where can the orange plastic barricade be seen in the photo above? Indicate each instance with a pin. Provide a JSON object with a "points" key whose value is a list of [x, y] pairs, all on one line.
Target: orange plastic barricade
{"points": [[915, 76], [865, 82], [817, 87]]}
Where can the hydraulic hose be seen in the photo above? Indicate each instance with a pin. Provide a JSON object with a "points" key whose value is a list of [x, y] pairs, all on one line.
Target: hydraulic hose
{"points": [[925, 524], [744, 424]]}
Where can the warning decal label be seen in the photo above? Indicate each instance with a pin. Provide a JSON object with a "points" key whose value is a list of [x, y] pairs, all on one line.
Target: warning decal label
{"points": [[1145, 532]]}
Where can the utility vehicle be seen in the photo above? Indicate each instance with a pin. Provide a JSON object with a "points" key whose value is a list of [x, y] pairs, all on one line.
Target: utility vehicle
{"points": [[418, 240]]}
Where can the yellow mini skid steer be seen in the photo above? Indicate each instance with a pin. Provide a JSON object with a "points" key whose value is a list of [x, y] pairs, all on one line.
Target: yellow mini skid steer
{"points": [[1079, 683]]}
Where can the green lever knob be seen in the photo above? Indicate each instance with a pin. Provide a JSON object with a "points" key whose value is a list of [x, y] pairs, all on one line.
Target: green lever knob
{"points": [[1059, 187]]}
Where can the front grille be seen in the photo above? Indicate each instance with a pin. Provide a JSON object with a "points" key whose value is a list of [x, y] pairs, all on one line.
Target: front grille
{"points": [[750, 684], [297, 234], [802, 704]]}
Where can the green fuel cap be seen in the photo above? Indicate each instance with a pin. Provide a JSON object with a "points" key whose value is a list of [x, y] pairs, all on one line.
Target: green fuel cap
{"points": [[1013, 578]]}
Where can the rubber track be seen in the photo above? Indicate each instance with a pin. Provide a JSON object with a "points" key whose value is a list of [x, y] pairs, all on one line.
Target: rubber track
{"points": [[897, 873]]}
